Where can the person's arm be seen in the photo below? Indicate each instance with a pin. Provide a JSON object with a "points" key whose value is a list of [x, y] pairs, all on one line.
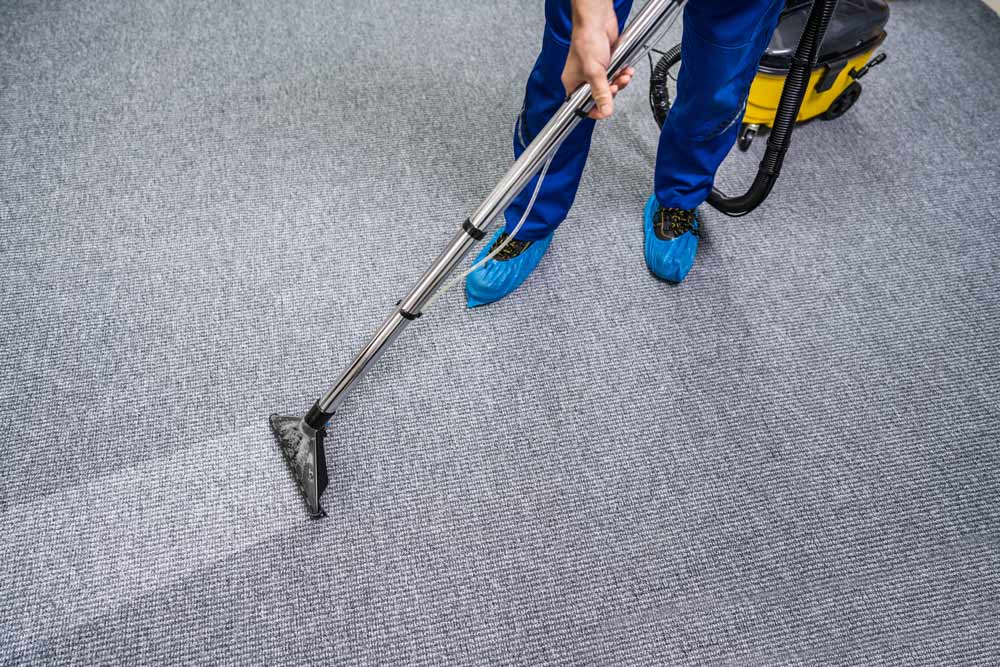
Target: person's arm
{"points": [[595, 33]]}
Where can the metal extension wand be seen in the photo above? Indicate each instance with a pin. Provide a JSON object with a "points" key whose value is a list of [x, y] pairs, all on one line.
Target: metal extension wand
{"points": [[302, 438]]}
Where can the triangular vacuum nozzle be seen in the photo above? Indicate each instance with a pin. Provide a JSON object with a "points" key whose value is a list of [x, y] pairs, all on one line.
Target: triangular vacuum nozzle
{"points": [[302, 447]]}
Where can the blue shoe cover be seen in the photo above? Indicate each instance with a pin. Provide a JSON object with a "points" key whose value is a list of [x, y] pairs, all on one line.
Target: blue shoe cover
{"points": [[671, 259], [494, 280]]}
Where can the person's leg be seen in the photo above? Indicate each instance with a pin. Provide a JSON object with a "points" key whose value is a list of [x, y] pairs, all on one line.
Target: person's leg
{"points": [[722, 45], [544, 93]]}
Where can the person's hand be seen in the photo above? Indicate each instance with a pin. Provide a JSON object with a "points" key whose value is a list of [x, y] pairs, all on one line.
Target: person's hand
{"points": [[595, 33]]}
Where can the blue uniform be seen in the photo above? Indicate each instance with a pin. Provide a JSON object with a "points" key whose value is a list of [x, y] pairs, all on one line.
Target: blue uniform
{"points": [[722, 44]]}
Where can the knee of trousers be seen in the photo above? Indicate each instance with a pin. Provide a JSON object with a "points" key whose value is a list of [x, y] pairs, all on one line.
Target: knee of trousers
{"points": [[711, 89], [721, 49]]}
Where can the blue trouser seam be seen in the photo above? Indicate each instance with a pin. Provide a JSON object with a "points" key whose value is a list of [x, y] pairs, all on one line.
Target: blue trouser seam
{"points": [[519, 128]]}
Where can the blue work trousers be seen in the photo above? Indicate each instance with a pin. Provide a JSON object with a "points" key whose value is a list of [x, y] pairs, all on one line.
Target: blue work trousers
{"points": [[722, 44]]}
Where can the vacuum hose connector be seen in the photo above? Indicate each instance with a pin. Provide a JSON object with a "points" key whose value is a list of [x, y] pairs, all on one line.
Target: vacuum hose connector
{"points": [[792, 94]]}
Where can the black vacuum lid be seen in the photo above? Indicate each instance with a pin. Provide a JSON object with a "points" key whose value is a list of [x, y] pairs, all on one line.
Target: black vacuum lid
{"points": [[855, 24]]}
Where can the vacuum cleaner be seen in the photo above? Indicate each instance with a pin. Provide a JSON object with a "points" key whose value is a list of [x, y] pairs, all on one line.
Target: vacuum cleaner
{"points": [[303, 439], [856, 30]]}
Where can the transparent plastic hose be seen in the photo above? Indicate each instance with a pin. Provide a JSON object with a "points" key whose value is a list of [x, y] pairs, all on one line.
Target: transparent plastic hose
{"points": [[524, 216]]}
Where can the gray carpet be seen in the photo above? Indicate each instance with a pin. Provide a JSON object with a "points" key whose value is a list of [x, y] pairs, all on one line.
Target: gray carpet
{"points": [[791, 459]]}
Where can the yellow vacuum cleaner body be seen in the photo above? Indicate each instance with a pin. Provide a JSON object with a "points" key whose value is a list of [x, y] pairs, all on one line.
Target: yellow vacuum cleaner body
{"points": [[848, 52], [856, 30]]}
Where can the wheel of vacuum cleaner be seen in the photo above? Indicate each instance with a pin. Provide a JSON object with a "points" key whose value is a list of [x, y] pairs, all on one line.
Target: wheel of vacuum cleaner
{"points": [[747, 134], [843, 102]]}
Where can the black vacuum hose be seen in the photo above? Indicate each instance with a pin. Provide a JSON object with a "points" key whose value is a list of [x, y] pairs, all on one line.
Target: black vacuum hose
{"points": [[659, 96], [792, 94]]}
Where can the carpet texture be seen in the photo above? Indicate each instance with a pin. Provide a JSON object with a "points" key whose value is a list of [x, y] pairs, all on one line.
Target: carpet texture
{"points": [[206, 207]]}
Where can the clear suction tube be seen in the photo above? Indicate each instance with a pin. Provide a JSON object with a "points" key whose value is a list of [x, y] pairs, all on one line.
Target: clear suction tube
{"points": [[510, 237], [633, 44], [520, 223]]}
